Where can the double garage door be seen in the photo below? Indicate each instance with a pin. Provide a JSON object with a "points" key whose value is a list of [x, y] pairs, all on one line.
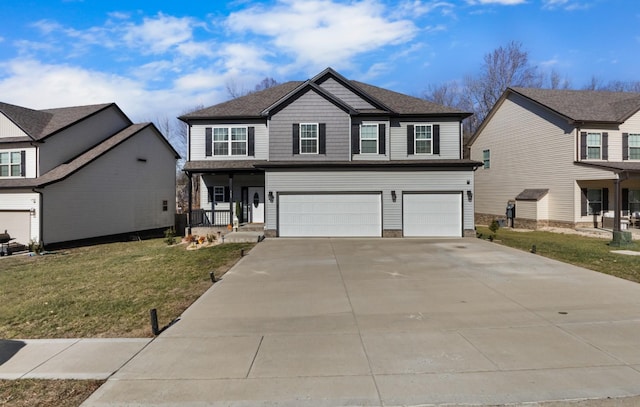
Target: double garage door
{"points": [[360, 215]]}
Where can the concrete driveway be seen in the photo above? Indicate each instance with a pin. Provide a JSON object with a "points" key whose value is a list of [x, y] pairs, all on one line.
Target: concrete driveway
{"points": [[392, 322]]}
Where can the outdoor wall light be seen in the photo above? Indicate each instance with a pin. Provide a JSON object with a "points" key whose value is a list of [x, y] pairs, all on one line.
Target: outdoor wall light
{"points": [[469, 195], [270, 196], [393, 196]]}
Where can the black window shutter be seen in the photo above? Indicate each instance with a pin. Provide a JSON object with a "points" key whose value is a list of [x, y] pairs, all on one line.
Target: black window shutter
{"points": [[625, 199], [382, 139], [605, 146], [322, 138], [23, 163], [355, 139], [605, 199], [251, 141], [410, 139], [208, 142], [583, 145], [296, 138], [227, 195], [209, 194], [436, 139], [583, 203], [625, 146]]}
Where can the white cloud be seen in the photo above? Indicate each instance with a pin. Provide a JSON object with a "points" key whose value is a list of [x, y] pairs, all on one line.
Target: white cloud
{"points": [[159, 34], [569, 5], [417, 8], [318, 33]]}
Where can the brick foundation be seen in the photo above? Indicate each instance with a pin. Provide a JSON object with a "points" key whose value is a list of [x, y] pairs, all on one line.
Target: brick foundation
{"points": [[392, 233]]}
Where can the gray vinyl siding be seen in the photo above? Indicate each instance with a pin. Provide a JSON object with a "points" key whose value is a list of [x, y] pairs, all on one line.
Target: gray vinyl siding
{"points": [[371, 181], [449, 140], [346, 95], [197, 143], [530, 148], [9, 128], [310, 108], [116, 193], [71, 142]]}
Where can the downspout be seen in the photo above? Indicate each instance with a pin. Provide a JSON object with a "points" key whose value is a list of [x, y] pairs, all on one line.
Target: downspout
{"points": [[41, 222]]}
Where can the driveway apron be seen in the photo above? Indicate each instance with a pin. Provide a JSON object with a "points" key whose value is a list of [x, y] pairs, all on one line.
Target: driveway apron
{"points": [[392, 322]]}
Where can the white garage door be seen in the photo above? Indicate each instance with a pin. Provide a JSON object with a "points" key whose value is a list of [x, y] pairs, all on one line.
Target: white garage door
{"points": [[432, 215], [17, 224], [328, 215]]}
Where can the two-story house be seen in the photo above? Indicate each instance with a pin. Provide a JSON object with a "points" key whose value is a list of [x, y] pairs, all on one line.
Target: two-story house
{"points": [[332, 157], [82, 172], [562, 156]]}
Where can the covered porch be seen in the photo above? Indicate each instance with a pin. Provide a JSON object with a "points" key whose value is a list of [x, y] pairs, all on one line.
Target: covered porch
{"points": [[225, 194]]}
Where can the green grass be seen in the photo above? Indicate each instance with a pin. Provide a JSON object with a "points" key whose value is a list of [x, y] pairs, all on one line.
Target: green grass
{"points": [[588, 252], [105, 290]]}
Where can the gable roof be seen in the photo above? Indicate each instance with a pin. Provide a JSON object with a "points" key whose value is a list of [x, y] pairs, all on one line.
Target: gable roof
{"points": [[64, 170], [263, 103], [38, 124], [574, 106], [585, 105]]}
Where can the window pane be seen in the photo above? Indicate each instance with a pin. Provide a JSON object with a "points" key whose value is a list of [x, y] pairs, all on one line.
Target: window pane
{"points": [[634, 140], [308, 138], [220, 134], [593, 139], [486, 158], [4, 170], [593, 152], [594, 195], [308, 131], [15, 170], [369, 147], [594, 198], [423, 132], [369, 131], [238, 148], [238, 134], [423, 146], [15, 157], [308, 146], [220, 148], [4, 158]]}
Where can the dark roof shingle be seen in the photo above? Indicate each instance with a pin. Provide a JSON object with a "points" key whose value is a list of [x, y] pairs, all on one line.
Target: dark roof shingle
{"points": [[586, 105]]}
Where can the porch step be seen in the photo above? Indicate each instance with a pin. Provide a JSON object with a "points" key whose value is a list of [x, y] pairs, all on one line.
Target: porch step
{"points": [[243, 237], [251, 227]]}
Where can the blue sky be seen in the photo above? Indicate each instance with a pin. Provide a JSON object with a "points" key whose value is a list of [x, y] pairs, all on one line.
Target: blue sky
{"points": [[159, 58]]}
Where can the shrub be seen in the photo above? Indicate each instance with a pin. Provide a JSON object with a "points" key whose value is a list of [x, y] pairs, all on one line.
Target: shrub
{"points": [[211, 238], [170, 236], [494, 226]]}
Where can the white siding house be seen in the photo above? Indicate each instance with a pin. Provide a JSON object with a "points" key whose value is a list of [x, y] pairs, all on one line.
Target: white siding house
{"points": [[333, 157], [572, 144], [83, 172]]}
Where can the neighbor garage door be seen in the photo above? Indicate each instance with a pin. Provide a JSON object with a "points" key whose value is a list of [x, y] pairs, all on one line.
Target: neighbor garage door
{"points": [[327, 215], [432, 215], [17, 224]]}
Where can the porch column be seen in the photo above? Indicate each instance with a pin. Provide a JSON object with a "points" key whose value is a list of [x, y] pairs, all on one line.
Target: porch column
{"points": [[616, 203], [231, 203], [190, 189]]}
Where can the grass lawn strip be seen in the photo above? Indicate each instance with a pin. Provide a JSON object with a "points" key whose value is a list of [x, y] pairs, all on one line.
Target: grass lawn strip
{"points": [[46, 393], [588, 252], [105, 290]]}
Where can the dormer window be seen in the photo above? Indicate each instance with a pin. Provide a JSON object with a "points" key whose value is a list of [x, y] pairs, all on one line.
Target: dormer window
{"points": [[12, 164]]}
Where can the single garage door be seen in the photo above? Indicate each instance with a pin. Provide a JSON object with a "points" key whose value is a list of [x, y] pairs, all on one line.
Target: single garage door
{"points": [[17, 224], [329, 215], [432, 215]]}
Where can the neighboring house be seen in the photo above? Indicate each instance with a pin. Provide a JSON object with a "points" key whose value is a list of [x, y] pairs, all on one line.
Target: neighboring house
{"points": [[332, 157], [82, 172], [560, 155]]}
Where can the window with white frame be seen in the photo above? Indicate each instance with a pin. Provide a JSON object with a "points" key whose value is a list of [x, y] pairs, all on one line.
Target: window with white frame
{"points": [[594, 201], [634, 200], [423, 139], [309, 138], [369, 139], [218, 194], [486, 158], [594, 145], [634, 146], [229, 141], [10, 164]]}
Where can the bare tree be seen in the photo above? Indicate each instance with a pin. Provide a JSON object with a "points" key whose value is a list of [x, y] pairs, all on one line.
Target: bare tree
{"points": [[447, 94], [557, 82], [235, 90]]}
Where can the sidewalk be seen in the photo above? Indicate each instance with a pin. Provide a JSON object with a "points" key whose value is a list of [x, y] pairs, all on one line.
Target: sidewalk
{"points": [[82, 359]]}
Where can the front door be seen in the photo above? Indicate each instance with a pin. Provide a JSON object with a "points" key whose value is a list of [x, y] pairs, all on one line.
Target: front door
{"points": [[256, 203]]}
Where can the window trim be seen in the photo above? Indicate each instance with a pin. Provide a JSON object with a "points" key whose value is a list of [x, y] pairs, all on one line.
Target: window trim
{"points": [[637, 148], [19, 164], [316, 138], [429, 139], [377, 138], [217, 193], [229, 141], [635, 202], [486, 158], [589, 202], [599, 146]]}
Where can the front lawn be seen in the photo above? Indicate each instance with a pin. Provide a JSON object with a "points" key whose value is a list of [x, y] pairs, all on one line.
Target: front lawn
{"points": [[588, 252], [46, 393], [105, 290]]}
